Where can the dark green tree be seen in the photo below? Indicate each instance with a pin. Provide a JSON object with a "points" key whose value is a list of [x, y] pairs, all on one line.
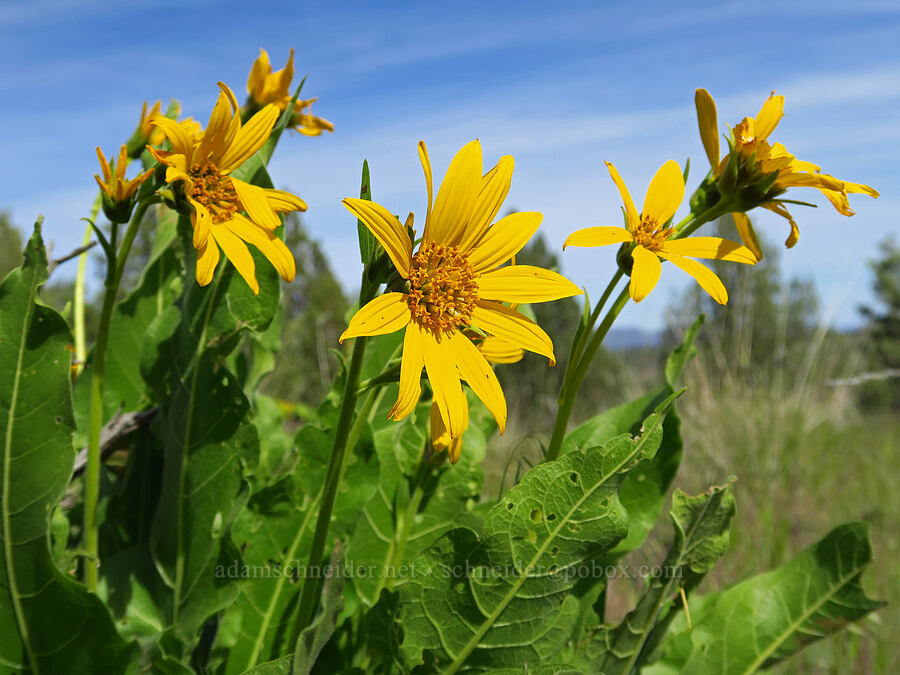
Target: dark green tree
{"points": [[884, 330], [11, 251]]}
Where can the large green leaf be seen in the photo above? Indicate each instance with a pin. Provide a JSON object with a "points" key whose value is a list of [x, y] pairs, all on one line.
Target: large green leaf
{"points": [[769, 617], [503, 599], [48, 622], [701, 526]]}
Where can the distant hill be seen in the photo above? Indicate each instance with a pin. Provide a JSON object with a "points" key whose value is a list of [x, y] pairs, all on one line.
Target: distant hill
{"points": [[629, 338]]}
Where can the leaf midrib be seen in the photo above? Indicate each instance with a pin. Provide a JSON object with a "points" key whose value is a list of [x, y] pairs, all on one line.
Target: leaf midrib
{"points": [[7, 459]]}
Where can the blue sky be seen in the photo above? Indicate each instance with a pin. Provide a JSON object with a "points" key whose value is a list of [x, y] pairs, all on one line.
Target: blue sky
{"points": [[560, 86]]}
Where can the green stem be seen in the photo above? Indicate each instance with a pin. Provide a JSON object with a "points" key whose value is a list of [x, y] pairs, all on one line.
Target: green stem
{"points": [[78, 300], [339, 456], [95, 420], [574, 379]]}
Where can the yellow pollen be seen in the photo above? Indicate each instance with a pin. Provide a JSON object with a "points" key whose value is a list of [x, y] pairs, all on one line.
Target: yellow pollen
{"points": [[214, 191], [650, 235], [443, 288]]}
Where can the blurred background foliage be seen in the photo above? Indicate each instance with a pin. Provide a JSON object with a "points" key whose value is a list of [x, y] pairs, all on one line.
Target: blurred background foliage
{"points": [[803, 415]]}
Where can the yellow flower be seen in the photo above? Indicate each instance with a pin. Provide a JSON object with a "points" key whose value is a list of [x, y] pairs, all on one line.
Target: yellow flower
{"points": [[266, 87], [151, 135], [225, 211], [754, 162], [651, 236], [118, 193], [453, 281]]}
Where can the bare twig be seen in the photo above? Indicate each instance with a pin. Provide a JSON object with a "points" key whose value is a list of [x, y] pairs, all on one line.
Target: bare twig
{"points": [[113, 432], [56, 262]]}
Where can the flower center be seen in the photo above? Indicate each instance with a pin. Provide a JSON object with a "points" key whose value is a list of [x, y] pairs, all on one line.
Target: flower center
{"points": [[650, 235], [443, 288], [215, 191]]}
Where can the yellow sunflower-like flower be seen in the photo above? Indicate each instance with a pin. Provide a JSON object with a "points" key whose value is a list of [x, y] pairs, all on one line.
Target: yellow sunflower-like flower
{"points": [[453, 281], [651, 236], [118, 193], [769, 168], [266, 87], [227, 212]]}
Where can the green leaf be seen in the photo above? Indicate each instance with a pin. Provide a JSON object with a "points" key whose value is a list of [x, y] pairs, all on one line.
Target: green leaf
{"points": [[539, 670], [49, 622], [280, 666], [767, 618], [313, 638], [504, 599], [701, 537], [368, 245]]}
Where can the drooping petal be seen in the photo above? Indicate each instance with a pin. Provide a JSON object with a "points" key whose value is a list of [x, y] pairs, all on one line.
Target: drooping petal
{"points": [[207, 260], [440, 435], [508, 324], [267, 242], [708, 123], [497, 350], [644, 274], [704, 276], [747, 233], [385, 314], [249, 138], [282, 202], [665, 193], [410, 372], [253, 198], [782, 211], [504, 239], [181, 142], [238, 255], [440, 365], [201, 222], [525, 283], [598, 236], [494, 188], [387, 230], [820, 181], [631, 215], [429, 185], [769, 115], [714, 248], [456, 198], [479, 375]]}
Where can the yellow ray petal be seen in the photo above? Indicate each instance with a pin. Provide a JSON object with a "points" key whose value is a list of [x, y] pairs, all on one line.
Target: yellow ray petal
{"points": [[704, 276], [268, 244], [238, 255], [474, 369], [708, 122], [820, 181], [456, 198], [256, 82], [207, 260], [598, 236], [504, 239], [782, 211], [769, 115], [444, 379], [631, 215], [665, 193], [747, 233], [440, 436], [711, 247], [410, 372], [860, 188], [496, 350], [181, 142], [494, 188], [525, 283], [644, 274], [385, 314], [429, 185], [387, 230], [201, 222], [215, 137], [282, 202], [508, 324], [249, 138], [253, 199]]}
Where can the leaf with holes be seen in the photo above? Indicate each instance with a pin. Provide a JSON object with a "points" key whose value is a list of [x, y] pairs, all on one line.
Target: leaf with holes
{"points": [[503, 599], [49, 623]]}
